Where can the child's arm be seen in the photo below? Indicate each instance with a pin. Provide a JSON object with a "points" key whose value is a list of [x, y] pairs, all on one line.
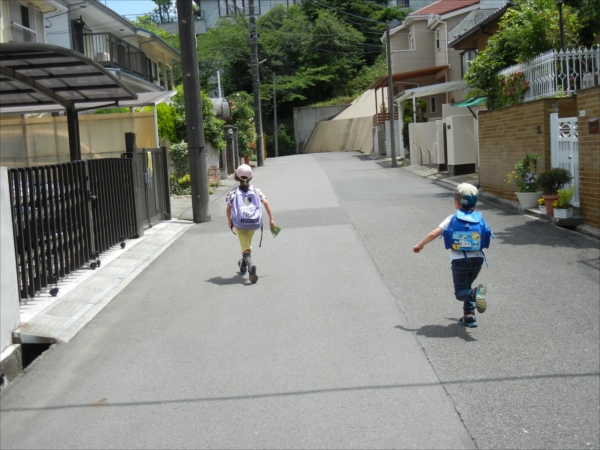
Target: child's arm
{"points": [[427, 239], [228, 211], [268, 208]]}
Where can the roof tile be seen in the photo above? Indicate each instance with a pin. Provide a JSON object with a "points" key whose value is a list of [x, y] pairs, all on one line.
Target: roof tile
{"points": [[444, 7]]}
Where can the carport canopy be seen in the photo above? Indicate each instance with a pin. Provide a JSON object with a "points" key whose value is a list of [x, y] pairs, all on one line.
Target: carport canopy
{"points": [[427, 91], [33, 74]]}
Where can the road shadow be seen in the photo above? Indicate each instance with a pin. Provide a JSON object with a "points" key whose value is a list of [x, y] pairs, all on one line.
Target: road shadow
{"points": [[220, 281], [540, 232], [452, 330]]}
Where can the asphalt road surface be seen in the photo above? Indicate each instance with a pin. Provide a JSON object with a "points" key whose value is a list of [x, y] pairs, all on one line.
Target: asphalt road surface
{"points": [[348, 340]]}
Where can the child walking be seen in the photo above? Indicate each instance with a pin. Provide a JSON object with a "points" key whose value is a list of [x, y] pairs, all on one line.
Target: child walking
{"points": [[244, 213], [466, 234]]}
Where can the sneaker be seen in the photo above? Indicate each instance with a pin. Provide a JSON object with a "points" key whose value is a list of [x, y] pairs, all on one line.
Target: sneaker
{"points": [[252, 272], [480, 302], [242, 266], [470, 322]]}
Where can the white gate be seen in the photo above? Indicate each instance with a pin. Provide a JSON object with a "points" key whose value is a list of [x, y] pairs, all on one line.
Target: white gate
{"points": [[564, 147]]}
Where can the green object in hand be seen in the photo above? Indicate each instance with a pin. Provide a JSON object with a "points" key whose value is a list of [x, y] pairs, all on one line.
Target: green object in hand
{"points": [[275, 230]]}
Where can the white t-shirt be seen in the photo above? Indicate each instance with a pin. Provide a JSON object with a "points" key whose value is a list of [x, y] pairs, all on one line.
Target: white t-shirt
{"points": [[455, 254]]}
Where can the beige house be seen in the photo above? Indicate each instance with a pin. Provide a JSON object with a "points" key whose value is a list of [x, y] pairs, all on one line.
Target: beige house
{"points": [[23, 21]]}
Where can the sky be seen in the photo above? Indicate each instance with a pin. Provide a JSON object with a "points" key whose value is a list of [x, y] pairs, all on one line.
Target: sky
{"points": [[129, 8]]}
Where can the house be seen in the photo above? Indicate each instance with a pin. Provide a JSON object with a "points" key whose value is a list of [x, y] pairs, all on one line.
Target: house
{"points": [[139, 58], [23, 21]]}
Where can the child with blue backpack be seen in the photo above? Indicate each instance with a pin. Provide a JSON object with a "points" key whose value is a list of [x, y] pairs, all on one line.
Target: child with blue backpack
{"points": [[244, 213], [465, 234]]}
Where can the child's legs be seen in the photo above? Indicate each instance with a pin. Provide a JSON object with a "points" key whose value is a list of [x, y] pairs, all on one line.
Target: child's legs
{"points": [[245, 237], [463, 275]]}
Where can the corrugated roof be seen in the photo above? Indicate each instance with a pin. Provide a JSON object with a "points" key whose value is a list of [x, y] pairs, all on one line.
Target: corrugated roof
{"points": [[444, 7]]}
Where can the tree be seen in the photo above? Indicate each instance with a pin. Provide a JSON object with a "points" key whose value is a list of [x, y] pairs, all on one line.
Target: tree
{"points": [[527, 29]]}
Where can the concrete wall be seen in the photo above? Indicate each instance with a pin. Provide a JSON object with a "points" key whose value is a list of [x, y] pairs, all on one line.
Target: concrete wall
{"points": [[305, 120], [507, 134], [9, 300], [462, 146], [341, 136], [588, 106], [425, 135]]}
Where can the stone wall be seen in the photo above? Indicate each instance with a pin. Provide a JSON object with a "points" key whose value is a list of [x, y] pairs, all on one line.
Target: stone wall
{"points": [[588, 106]]}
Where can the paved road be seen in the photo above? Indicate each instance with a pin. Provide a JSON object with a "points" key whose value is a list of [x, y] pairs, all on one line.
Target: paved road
{"points": [[348, 340]]}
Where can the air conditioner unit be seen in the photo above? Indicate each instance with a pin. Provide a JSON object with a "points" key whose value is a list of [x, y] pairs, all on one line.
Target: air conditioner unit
{"points": [[102, 57]]}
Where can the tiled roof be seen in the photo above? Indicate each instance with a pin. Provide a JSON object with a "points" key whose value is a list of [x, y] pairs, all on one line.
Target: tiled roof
{"points": [[472, 21], [444, 7]]}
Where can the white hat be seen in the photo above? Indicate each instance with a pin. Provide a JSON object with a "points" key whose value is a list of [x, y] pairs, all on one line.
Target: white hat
{"points": [[244, 171], [466, 194]]}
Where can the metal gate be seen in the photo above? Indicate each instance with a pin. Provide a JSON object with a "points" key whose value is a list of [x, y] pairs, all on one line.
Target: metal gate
{"points": [[564, 148]]}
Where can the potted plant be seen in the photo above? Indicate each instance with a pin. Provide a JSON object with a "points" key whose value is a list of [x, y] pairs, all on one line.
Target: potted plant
{"points": [[563, 208], [542, 205], [550, 182], [524, 178]]}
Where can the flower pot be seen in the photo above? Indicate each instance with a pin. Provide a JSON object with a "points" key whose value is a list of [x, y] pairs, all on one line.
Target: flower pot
{"points": [[528, 200], [542, 209], [548, 199], [563, 213], [246, 160]]}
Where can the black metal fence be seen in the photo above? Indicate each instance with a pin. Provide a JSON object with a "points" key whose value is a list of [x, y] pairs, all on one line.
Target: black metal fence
{"points": [[64, 215]]}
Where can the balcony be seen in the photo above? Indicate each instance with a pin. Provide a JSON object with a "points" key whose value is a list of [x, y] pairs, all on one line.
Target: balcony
{"points": [[112, 52], [19, 33]]}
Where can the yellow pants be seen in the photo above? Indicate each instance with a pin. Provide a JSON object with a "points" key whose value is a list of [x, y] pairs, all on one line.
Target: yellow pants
{"points": [[245, 237]]}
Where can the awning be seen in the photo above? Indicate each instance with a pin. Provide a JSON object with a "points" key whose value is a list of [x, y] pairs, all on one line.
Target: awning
{"points": [[33, 74], [144, 99], [427, 91], [398, 77], [470, 102]]}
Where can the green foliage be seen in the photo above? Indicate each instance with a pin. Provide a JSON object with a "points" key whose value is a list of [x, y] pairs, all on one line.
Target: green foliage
{"points": [[286, 142], [213, 127], [552, 180], [165, 116], [180, 159], [527, 29], [564, 198], [111, 110], [408, 117], [335, 101], [524, 175], [242, 112]]}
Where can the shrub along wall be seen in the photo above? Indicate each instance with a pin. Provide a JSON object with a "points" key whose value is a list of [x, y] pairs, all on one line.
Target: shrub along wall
{"points": [[507, 134], [588, 101]]}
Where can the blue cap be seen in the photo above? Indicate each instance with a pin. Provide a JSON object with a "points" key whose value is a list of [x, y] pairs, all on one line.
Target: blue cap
{"points": [[466, 195]]}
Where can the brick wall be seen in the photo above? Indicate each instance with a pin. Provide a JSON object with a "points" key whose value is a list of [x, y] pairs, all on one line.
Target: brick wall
{"points": [[507, 134], [588, 100]]}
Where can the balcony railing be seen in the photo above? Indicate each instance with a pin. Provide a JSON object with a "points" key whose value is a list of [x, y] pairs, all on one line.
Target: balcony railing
{"points": [[110, 51], [553, 72], [19, 33]]}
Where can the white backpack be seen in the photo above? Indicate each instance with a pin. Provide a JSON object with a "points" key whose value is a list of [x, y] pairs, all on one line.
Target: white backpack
{"points": [[246, 209]]}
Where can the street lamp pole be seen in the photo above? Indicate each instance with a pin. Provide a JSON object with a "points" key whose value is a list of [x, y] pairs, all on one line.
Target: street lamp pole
{"points": [[390, 95], [559, 3], [275, 133], [256, 87]]}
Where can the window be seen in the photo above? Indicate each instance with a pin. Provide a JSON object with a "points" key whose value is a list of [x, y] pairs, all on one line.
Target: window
{"points": [[437, 38], [25, 16], [433, 108], [465, 60], [411, 42], [403, 3]]}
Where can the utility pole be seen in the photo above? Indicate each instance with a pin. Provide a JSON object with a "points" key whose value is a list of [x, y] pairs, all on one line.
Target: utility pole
{"points": [[390, 95], [193, 113], [256, 86], [275, 134]]}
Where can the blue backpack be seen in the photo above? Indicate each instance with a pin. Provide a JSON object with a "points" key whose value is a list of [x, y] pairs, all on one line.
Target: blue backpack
{"points": [[467, 231]]}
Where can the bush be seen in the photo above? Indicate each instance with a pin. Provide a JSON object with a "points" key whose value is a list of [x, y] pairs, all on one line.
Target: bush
{"points": [[180, 159], [552, 180], [286, 142]]}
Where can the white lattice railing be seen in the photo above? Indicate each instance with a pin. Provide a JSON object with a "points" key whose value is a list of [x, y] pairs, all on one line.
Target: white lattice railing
{"points": [[553, 72]]}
